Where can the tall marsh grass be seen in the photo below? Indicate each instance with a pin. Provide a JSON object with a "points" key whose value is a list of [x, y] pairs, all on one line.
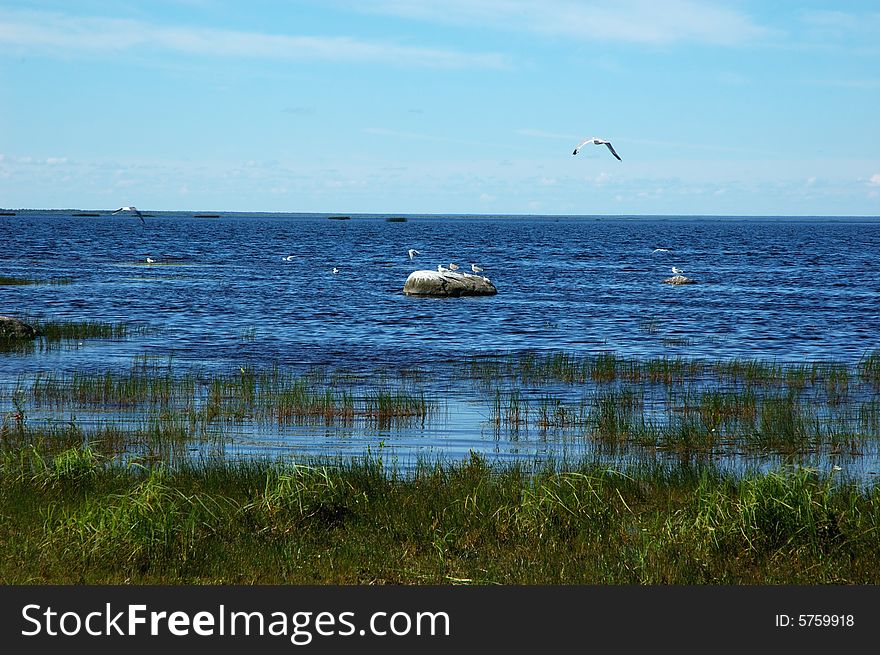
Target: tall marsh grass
{"points": [[354, 521]]}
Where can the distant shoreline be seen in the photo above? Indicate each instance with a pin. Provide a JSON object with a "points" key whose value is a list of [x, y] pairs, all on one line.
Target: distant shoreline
{"points": [[463, 216]]}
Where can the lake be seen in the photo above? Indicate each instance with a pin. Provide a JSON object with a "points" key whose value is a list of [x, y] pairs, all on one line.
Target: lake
{"points": [[226, 291]]}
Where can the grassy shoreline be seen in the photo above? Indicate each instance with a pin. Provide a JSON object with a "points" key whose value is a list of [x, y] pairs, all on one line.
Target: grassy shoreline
{"points": [[72, 519], [122, 501]]}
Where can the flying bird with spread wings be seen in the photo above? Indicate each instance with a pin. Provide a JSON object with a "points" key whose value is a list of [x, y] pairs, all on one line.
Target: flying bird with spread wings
{"points": [[134, 210], [598, 142]]}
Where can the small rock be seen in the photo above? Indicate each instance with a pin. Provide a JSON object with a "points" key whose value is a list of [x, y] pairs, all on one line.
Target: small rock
{"points": [[679, 279], [13, 328]]}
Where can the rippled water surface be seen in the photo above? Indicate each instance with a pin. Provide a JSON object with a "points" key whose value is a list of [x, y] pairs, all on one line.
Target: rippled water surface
{"points": [[221, 293]]}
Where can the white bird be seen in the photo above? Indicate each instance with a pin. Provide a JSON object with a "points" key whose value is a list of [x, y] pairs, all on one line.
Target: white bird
{"points": [[659, 250], [453, 267], [289, 258], [441, 268], [677, 271], [133, 210], [335, 270], [150, 260], [476, 269], [595, 141], [412, 252]]}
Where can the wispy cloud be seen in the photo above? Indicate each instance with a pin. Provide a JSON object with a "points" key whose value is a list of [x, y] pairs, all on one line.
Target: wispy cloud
{"points": [[543, 134], [633, 21], [64, 35], [862, 84], [855, 31], [421, 136]]}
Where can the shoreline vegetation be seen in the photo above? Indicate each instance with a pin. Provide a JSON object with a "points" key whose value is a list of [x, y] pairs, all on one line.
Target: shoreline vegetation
{"points": [[69, 519], [121, 476]]}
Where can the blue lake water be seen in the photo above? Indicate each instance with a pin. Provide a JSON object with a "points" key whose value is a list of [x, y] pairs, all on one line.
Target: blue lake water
{"points": [[221, 294]]}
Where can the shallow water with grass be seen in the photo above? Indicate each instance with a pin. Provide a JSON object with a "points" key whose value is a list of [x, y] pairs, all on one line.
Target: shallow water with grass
{"points": [[236, 341]]}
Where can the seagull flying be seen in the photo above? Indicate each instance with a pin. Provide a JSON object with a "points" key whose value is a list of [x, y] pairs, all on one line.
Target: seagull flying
{"points": [[289, 258], [476, 269], [335, 270], [133, 210], [595, 141], [412, 252]]}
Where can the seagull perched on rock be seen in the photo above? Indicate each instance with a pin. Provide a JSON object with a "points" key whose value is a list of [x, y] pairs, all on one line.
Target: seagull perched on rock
{"points": [[134, 210], [598, 142], [453, 267], [412, 252], [442, 269]]}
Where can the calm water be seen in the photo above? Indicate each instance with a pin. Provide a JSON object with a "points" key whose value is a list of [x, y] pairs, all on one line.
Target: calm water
{"points": [[221, 293]]}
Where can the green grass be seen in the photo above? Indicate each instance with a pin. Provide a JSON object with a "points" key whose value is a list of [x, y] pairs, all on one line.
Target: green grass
{"points": [[72, 518]]}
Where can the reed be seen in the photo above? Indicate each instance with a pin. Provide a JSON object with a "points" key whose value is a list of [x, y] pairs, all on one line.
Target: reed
{"points": [[868, 368], [470, 522], [785, 425], [9, 281], [51, 334]]}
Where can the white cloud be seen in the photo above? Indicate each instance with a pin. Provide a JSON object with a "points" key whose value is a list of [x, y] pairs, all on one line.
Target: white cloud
{"points": [[633, 21], [874, 180], [64, 35]]}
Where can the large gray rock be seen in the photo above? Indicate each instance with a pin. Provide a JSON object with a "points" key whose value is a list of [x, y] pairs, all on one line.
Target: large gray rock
{"points": [[447, 283], [12, 328]]}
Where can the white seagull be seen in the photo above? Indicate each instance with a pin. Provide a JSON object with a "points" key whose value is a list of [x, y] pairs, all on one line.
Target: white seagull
{"points": [[131, 209], [453, 267], [289, 258], [595, 141], [412, 252], [441, 268], [476, 269], [677, 271], [335, 270], [659, 250], [150, 260]]}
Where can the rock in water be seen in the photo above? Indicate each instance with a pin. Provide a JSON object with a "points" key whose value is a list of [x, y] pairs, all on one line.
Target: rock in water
{"points": [[12, 328], [447, 284], [679, 279]]}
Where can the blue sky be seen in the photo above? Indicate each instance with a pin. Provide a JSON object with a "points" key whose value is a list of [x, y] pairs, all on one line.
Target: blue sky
{"points": [[463, 106]]}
